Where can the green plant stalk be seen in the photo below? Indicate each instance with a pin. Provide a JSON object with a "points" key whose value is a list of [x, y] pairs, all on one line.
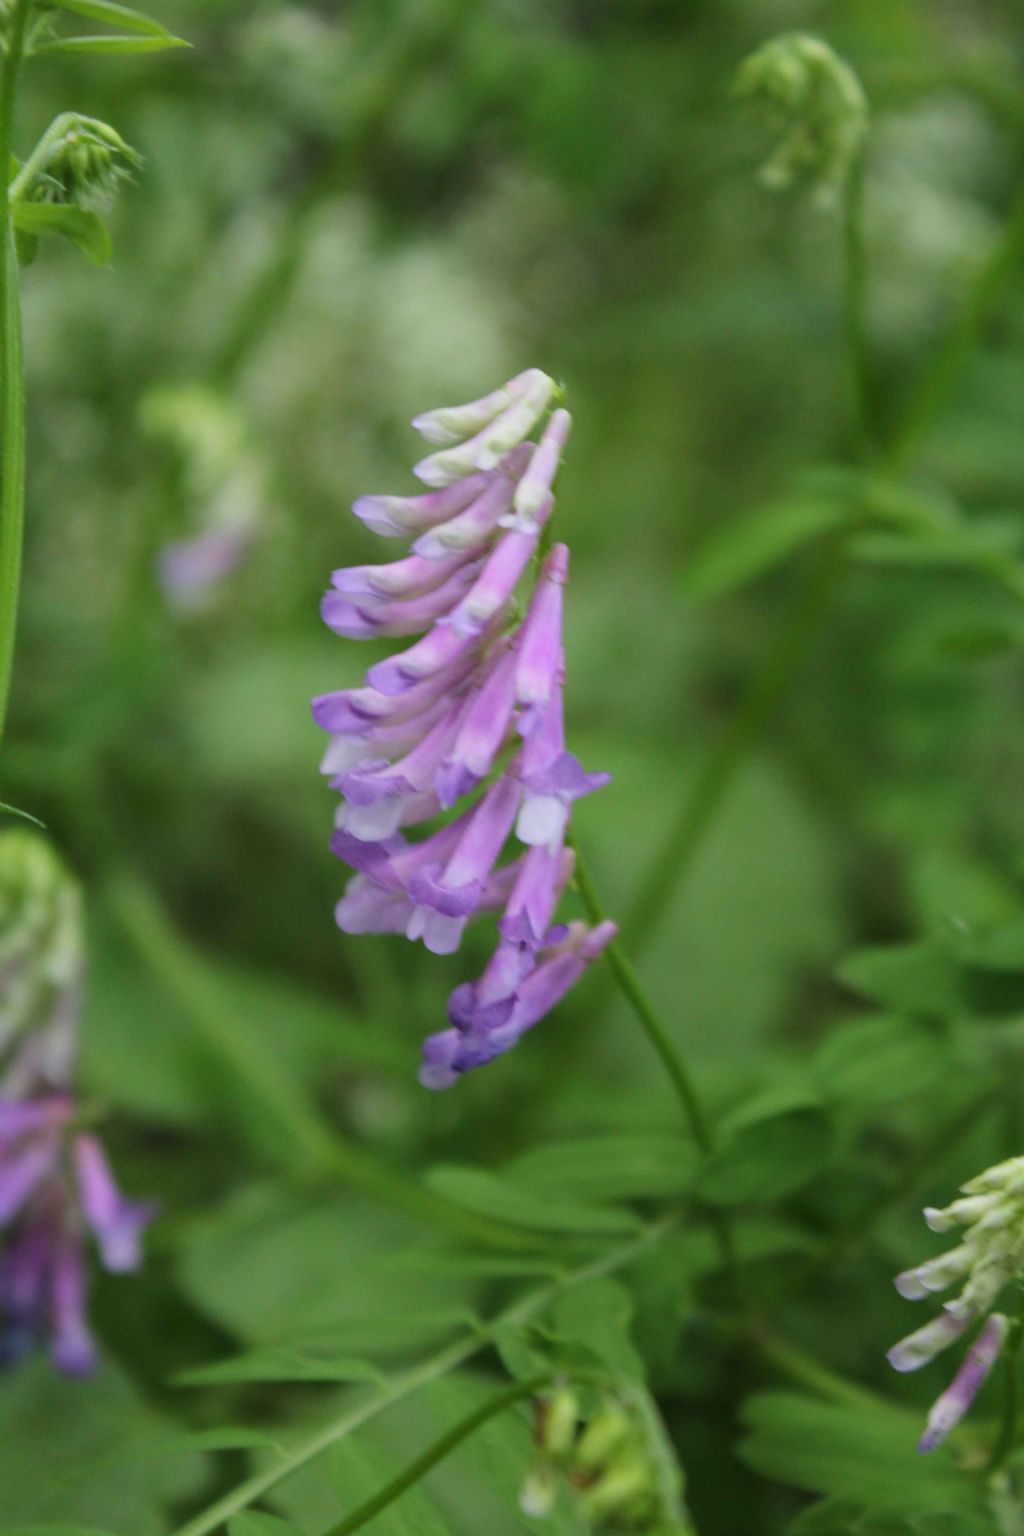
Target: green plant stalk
{"points": [[700, 806], [647, 1015], [319, 1148], [442, 1447], [671, 1059], [314, 1442], [12, 384], [855, 309]]}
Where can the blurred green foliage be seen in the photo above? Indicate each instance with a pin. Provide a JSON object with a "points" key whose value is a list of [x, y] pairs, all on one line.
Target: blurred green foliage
{"points": [[348, 213]]}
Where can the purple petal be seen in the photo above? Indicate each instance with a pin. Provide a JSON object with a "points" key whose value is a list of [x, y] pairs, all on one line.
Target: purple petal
{"points": [[396, 516], [950, 1408], [116, 1222]]}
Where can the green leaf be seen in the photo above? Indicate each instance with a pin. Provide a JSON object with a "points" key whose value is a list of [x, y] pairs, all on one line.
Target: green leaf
{"points": [[918, 978], [488, 1194], [253, 1522], [101, 43], [119, 1459], [874, 1061], [112, 15], [758, 544], [607, 1167], [278, 1365], [863, 1452], [771, 1147], [80, 225], [957, 977], [599, 1315], [983, 544], [228, 1437], [53, 1530], [845, 1517]]}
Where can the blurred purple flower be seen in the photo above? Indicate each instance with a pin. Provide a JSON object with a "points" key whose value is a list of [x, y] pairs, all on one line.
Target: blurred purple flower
{"points": [[440, 720]]}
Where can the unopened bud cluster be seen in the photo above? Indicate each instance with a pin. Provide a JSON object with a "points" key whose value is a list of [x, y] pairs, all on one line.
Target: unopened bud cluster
{"points": [[990, 1222], [56, 1186], [603, 1456], [79, 160], [815, 104]]}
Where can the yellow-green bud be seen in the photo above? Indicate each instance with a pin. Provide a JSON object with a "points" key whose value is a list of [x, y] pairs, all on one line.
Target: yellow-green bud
{"points": [[815, 103], [558, 1423], [605, 1434], [627, 1488]]}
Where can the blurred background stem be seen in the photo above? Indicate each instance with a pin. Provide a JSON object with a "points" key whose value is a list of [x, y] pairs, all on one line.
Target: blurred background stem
{"points": [[699, 807], [12, 385]]}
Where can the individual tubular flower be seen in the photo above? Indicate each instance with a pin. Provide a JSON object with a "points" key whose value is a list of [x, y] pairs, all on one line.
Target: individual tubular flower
{"points": [[56, 1187], [472, 707], [990, 1220]]}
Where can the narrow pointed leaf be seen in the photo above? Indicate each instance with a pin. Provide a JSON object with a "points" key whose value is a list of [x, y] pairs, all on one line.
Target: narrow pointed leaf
{"points": [[109, 14], [100, 42], [278, 1365]]}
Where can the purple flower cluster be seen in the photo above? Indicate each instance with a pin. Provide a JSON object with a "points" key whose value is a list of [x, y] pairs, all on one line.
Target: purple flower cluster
{"points": [[472, 708], [56, 1186], [989, 1222]]}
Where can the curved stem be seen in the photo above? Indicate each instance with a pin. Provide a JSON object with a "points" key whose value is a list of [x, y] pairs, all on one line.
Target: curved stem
{"points": [[672, 1060], [314, 1146], [442, 1447], [12, 383], [649, 1019], [854, 304], [314, 1442]]}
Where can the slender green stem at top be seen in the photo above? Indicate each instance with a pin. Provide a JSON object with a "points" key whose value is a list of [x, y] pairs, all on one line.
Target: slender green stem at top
{"points": [[315, 1147], [12, 382], [854, 301], [442, 1447], [321, 1437], [700, 805]]}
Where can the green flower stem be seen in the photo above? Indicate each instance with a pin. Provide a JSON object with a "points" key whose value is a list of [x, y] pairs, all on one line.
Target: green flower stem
{"points": [[12, 384], [315, 1441], [648, 1018], [1011, 1392], [442, 1447], [318, 1148], [671, 1059], [855, 329]]}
